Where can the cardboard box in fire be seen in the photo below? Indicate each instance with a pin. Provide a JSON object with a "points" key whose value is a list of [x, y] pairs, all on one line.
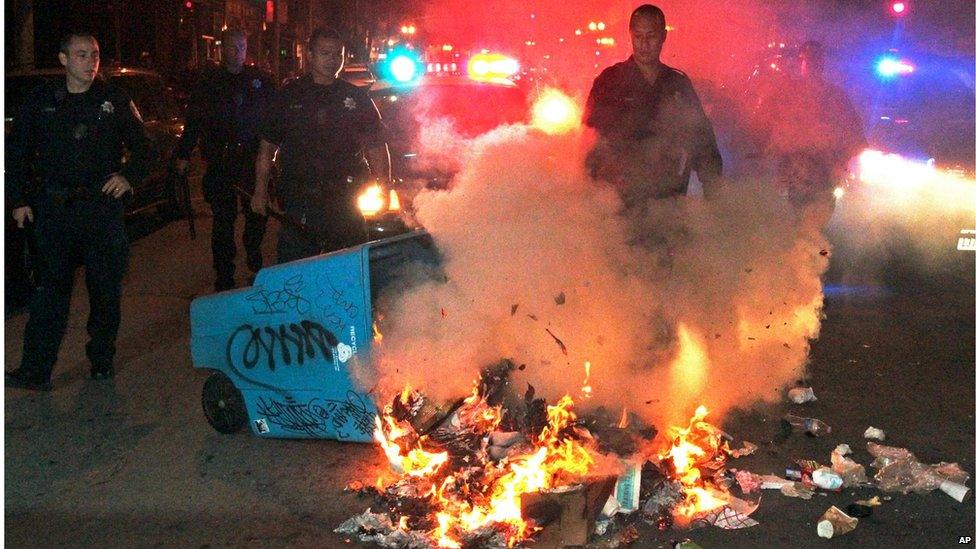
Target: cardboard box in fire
{"points": [[289, 342]]}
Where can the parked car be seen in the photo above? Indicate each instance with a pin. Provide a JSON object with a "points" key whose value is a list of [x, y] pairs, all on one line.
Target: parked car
{"points": [[156, 193]]}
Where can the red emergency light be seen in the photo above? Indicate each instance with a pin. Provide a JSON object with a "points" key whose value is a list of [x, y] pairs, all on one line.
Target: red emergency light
{"points": [[899, 8]]}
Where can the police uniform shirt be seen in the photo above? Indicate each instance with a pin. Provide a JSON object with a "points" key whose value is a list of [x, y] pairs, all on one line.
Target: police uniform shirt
{"points": [[70, 140], [226, 109], [321, 131], [624, 107]]}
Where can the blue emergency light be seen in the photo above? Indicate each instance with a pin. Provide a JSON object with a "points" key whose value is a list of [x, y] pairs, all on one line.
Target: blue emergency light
{"points": [[889, 67], [402, 66]]}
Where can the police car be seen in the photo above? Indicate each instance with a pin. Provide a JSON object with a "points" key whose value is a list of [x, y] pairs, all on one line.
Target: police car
{"points": [[411, 97]]}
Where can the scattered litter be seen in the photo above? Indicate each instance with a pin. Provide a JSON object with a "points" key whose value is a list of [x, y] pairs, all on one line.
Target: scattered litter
{"points": [[873, 502], [749, 482], [900, 471], [773, 482], [851, 472], [843, 450], [378, 528], [811, 426], [747, 449], [801, 395], [835, 523], [827, 479], [796, 490], [730, 519], [686, 544], [627, 489], [874, 433], [610, 508], [562, 346]]}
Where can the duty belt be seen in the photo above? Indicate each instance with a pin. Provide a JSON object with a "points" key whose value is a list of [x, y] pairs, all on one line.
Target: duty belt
{"points": [[67, 197]]}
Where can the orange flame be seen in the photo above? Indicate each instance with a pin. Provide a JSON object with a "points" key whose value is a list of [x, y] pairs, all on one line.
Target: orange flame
{"points": [[417, 462], [624, 419], [691, 446], [557, 460], [587, 391]]}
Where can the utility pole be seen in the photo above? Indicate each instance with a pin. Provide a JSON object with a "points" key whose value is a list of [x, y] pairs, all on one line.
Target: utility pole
{"points": [[25, 46], [276, 43]]}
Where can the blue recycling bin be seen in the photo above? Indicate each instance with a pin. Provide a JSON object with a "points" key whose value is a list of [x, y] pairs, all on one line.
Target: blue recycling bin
{"points": [[281, 351]]}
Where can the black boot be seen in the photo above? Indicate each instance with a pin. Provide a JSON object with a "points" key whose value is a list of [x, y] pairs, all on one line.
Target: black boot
{"points": [[22, 379]]}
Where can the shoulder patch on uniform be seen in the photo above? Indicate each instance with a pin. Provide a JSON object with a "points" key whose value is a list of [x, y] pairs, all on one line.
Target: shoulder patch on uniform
{"points": [[256, 83], [135, 110], [108, 107], [349, 103]]}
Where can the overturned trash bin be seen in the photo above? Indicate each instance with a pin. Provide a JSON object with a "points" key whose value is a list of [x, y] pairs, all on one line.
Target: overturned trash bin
{"points": [[281, 351]]}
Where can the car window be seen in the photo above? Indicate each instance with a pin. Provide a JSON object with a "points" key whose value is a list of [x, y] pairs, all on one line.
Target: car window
{"points": [[16, 89], [473, 109], [149, 94]]}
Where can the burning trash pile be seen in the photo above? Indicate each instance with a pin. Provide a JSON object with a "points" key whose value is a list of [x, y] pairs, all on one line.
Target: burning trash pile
{"points": [[498, 468], [501, 469]]}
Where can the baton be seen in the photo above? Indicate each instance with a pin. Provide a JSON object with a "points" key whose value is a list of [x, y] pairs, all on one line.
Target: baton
{"points": [[286, 220], [181, 187]]}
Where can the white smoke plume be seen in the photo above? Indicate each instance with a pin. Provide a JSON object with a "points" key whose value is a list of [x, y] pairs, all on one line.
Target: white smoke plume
{"points": [[696, 302]]}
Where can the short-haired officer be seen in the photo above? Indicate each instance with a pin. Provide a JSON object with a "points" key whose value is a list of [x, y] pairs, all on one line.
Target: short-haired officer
{"points": [[652, 130], [327, 133], [223, 114], [65, 173]]}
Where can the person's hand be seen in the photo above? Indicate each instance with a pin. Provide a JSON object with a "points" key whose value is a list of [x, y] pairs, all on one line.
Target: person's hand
{"points": [[22, 215], [117, 186], [180, 166], [259, 204]]}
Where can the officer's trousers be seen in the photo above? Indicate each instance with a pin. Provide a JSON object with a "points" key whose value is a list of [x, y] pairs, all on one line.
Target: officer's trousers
{"points": [[329, 224], [87, 232], [218, 190]]}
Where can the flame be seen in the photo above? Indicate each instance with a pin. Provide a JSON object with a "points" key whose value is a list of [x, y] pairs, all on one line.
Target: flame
{"points": [[405, 396], [417, 462], [377, 335], [586, 390], [691, 446], [624, 419], [463, 505], [689, 368]]}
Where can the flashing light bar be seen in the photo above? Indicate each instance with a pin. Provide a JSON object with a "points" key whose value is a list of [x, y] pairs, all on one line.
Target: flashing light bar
{"points": [[402, 66], [890, 67], [491, 66]]}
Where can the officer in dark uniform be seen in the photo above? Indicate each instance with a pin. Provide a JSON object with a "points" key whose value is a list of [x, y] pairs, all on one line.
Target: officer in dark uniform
{"points": [[809, 129], [223, 114], [652, 130], [327, 134], [69, 139]]}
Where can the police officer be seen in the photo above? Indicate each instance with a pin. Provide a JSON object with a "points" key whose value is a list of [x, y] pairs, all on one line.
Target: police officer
{"points": [[223, 114], [327, 134], [809, 129], [651, 129], [69, 139]]}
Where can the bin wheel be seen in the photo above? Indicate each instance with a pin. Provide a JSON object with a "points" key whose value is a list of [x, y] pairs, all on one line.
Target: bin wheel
{"points": [[223, 404]]}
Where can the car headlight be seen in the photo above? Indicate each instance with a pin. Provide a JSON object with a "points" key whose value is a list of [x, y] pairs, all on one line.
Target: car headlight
{"points": [[375, 200]]}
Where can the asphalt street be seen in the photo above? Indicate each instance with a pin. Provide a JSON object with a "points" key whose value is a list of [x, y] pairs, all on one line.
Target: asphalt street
{"points": [[133, 462]]}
